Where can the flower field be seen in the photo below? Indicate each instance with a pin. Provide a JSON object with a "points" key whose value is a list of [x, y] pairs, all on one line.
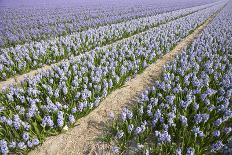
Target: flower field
{"points": [[187, 111], [24, 58], [93, 50]]}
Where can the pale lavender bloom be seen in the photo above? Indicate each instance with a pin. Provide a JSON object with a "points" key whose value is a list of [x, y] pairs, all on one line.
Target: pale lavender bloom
{"points": [[216, 133], [196, 130], [196, 106], [2, 108], [29, 144], [74, 110], [47, 121], [218, 122], [147, 152], [138, 130], [26, 136], [120, 134], [170, 99], [12, 144], [71, 119], [227, 130], [199, 118], [184, 104], [165, 127], [35, 141], [26, 126], [65, 90], [217, 146], [129, 114], [115, 149], [130, 128], [201, 134], [3, 119], [123, 116], [3, 146], [60, 118], [190, 151], [21, 145], [166, 137], [178, 151], [80, 107], [183, 120]]}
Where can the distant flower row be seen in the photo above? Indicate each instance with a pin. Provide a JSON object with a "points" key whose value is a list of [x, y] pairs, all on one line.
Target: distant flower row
{"points": [[188, 111], [24, 25], [54, 99], [23, 58]]}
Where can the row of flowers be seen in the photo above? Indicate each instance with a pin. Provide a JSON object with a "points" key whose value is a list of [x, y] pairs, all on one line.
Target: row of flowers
{"points": [[188, 111], [24, 58], [19, 25], [54, 99]]}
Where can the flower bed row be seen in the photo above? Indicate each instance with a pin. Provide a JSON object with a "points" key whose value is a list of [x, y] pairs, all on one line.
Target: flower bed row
{"points": [[56, 98], [188, 111], [22, 24], [23, 58]]}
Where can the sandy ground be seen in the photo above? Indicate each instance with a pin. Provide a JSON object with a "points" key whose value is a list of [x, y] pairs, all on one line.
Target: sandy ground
{"points": [[82, 138]]}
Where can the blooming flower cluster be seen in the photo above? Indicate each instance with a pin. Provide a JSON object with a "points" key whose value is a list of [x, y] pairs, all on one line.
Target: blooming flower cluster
{"points": [[26, 57], [23, 24], [188, 111], [52, 100]]}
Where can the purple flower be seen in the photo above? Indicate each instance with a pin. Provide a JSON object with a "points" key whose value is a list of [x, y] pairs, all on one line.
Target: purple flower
{"points": [[130, 128], [35, 141], [138, 130], [29, 144], [3, 146], [60, 118], [218, 122], [183, 120], [170, 99], [178, 151], [47, 121], [12, 145], [190, 151], [120, 134], [115, 149], [17, 122], [217, 146], [71, 119], [216, 133], [26, 136], [165, 137], [129, 114], [227, 130], [74, 110], [123, 116], [21, 145]]}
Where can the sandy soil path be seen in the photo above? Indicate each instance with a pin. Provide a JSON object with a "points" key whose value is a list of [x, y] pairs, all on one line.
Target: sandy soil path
{"points": [[82, 138]]}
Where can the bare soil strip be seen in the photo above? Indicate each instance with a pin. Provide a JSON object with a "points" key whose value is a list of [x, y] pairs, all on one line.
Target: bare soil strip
{"points": [[82, 138], [19, 78]]}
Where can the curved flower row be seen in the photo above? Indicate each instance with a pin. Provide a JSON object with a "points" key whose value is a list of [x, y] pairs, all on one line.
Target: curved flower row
{"points": [[22, 24], [188, 111], [24, 58], [54, 99]]}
